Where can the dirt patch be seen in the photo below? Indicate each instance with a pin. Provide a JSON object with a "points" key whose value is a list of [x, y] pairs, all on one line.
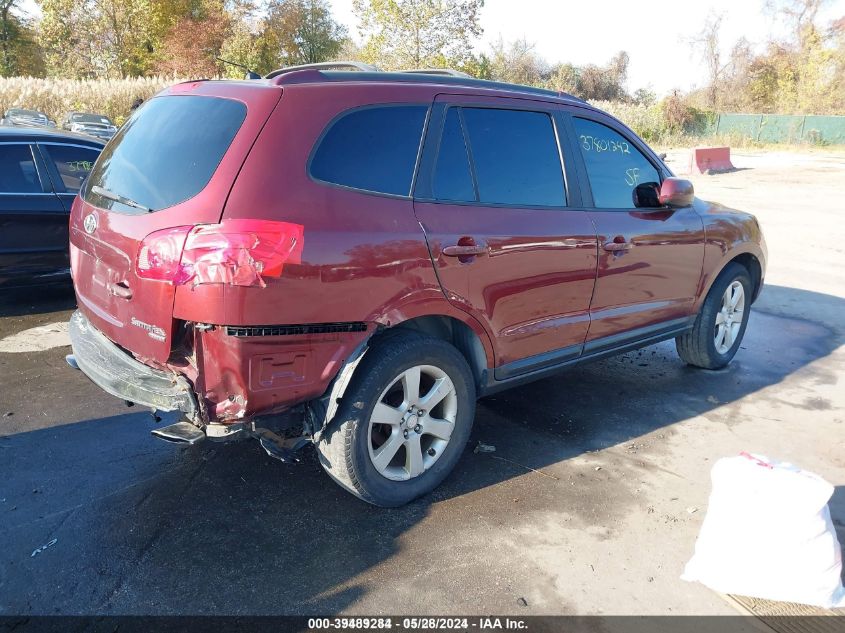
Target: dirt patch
{"points": [[37, 339]]}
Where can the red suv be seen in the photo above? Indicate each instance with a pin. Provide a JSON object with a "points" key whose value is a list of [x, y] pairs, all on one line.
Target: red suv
{"points": [[353, 258]]}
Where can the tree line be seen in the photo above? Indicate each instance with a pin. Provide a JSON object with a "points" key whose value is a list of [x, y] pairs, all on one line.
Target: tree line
{"points": [[803, 71]]}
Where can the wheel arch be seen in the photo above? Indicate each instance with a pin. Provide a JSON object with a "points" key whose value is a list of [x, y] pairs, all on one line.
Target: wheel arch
{"points": [[749, 259], [755, 270], [453, 331], [458, 328]]}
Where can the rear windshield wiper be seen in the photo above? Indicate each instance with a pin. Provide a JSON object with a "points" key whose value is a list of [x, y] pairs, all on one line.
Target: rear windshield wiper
{"points": [[111, 195]]}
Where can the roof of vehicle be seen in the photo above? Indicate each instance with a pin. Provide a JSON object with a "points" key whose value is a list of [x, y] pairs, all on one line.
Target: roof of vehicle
{"points": [[25, 111], [83, 113], [307, 76], [33, 133]]}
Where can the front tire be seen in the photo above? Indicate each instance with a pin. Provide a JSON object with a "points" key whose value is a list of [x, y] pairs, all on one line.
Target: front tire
{"points": [[720, 325], [403, 422]]}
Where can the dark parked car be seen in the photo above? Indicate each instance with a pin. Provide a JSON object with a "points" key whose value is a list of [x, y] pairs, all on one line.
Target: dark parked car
{"points": [[352, 258], [20, 116], [40, 173], [97, 125]]}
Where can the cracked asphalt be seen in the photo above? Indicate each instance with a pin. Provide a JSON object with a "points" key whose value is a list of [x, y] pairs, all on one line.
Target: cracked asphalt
{"points": [[590, 504]]}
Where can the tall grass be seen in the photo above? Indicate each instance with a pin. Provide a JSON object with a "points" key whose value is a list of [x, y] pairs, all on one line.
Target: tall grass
{"points": [[56, 97], [663, 124]]}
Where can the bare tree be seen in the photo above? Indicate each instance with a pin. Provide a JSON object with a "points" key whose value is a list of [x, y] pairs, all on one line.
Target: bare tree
{"points": [[706, 45], [517, 62], [800, 15]]}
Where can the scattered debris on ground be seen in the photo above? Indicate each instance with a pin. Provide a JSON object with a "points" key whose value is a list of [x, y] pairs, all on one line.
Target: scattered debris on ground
{"points": [[38, 550]]}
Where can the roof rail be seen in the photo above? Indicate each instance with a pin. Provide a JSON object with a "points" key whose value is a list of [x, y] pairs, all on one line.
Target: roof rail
{"points": [[324, 71], [449, 72], [323, 66]]}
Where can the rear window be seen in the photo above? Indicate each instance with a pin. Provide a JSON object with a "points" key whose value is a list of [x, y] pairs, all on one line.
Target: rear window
{"points": [[374, 149], [166, 153]]}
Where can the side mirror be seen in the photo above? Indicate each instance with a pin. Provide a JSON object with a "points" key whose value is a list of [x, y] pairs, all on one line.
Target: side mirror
{"points": [[676, 192]]}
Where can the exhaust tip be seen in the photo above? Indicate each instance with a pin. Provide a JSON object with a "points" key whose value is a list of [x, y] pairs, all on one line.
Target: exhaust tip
{"points": [[70, 359], [179, 433]]}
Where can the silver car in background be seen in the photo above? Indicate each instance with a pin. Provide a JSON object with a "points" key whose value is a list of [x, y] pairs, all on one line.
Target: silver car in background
{"points": [[22, 116], [97, 125]]}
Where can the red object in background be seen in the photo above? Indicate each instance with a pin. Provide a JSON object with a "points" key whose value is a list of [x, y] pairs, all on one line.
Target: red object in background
{"points": [[704, 159]]}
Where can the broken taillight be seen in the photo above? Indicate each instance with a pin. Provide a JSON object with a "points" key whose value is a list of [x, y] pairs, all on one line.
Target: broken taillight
{"points": [[235, 252]]}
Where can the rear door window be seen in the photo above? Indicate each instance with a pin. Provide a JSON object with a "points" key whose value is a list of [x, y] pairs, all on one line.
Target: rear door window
{"points": [[73, 163], [373, 148], [452, 178], [17, 170], [166, 153], [516, 157], [614, 166]]}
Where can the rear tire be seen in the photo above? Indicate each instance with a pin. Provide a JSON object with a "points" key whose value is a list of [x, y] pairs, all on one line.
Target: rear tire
{"points": [[720, 325], [403, 422]]}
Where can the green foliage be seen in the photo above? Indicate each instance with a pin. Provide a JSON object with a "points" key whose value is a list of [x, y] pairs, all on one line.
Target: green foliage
{"points": [[129, 38], [97, 38], [19, 53], [302, 32], [418, 33], [672, 120], [517, 62], [803, 73], [646, 120], [186, 37]]}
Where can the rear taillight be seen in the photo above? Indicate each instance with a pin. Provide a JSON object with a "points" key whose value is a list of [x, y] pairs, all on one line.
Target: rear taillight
{"points": [[235, 252], [160, 255]]}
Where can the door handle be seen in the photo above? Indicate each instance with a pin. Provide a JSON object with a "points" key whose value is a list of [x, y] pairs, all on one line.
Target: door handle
{"points": [[120, 289], [465, 251], [618, 244]]}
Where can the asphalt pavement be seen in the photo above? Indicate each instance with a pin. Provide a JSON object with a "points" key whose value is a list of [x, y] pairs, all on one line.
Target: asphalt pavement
{"points": [[590, 503]]}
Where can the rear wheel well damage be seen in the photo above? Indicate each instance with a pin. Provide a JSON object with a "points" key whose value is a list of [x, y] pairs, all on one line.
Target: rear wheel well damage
{"points": [[454, 332], [320, 412]]}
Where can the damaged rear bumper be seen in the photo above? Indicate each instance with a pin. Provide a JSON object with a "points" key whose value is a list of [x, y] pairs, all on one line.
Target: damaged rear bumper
{"points": [[119, 374]]}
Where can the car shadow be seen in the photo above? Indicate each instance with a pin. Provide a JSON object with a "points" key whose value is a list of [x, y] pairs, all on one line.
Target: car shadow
{"points": [[148, 528]]}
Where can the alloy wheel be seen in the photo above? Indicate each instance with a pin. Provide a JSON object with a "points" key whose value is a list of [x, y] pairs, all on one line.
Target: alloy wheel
{"points": [[729, 317], [412, 422]]}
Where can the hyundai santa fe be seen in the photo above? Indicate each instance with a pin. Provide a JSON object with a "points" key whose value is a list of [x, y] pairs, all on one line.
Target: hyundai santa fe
{"points": [[352, 258]]}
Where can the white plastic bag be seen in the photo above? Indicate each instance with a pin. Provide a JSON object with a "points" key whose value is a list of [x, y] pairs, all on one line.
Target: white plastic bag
{"points": [[768, 534]]}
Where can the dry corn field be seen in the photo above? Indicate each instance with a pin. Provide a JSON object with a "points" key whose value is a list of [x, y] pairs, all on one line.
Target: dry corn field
{"points": [[56, 97]]}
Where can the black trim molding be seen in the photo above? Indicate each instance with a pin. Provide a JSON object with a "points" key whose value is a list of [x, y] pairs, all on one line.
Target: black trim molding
{"points": [[295, 330], [543, 365]]}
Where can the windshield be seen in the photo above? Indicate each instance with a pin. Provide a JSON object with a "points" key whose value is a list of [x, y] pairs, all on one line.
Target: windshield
{"points": [[164, 154], [29, 113], [90, 118]]}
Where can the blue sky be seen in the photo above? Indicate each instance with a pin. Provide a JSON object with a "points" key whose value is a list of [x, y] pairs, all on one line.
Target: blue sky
{"points": [[654, 32]]}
